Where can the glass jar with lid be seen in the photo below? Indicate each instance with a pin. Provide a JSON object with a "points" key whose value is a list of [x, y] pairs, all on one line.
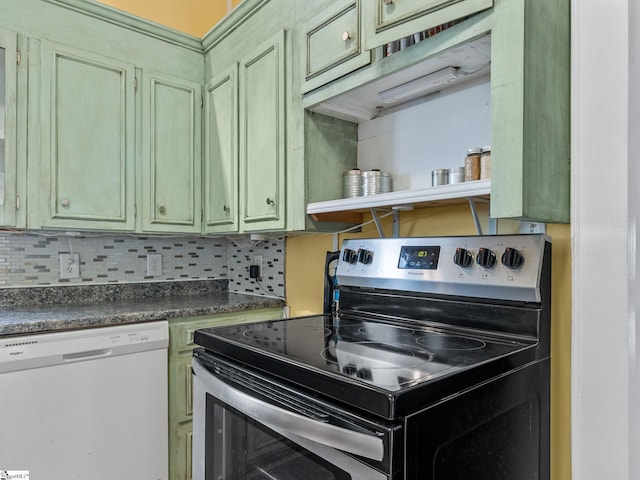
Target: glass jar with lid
{"points": [[472, 165]]}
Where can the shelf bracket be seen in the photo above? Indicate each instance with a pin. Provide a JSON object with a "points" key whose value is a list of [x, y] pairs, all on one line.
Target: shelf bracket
{"points": [[493, 223], [396, 223], [474, 215], [376, 219]]}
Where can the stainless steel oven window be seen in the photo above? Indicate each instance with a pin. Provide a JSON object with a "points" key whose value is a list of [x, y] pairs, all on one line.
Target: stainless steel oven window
{"points": [[230, 443]]}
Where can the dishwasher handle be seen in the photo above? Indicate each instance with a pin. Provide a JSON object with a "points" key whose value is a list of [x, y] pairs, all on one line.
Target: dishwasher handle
{"points": [[88, 355], [363, 444]]}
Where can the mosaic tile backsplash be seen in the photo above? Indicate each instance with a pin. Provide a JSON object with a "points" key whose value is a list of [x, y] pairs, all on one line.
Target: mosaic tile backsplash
{"points": [[32, 259]]}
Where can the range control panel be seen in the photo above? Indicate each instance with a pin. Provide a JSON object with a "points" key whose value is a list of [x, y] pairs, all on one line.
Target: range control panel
{"points": [[496, 266]]}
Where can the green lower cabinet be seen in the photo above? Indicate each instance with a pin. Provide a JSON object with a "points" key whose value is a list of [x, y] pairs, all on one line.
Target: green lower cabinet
{"points": [[181, 345], [87, 140], [171, 159]]}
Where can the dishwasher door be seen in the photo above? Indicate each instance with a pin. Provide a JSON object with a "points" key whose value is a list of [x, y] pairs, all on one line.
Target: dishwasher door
{"points": [[86, 404]]}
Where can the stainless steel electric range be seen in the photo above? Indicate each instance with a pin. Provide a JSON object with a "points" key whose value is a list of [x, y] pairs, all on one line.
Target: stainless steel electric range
{"points": [[433, 364]]}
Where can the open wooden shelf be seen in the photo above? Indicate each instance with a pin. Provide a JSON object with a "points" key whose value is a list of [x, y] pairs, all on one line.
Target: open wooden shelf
{"points": [[352, 209]]}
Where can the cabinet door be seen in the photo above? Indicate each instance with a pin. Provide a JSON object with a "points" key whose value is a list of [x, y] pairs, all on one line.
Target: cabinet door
{"points": [[87, 139], [221, 152], [262, 136], [389, 20], [171, 134], [333, 44], [8, 129]]}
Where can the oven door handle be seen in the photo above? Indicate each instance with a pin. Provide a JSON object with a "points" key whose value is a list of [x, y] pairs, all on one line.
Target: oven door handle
{"points": [[365, 445]]}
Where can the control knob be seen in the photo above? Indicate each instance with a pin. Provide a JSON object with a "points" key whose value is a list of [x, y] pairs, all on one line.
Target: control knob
{"points": [[486, 258], [462, 257], [365, 256], [512, 258], [349, 256]]}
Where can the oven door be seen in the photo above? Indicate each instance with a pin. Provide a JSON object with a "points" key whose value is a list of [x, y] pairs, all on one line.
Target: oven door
{"points": [[248, 430]]}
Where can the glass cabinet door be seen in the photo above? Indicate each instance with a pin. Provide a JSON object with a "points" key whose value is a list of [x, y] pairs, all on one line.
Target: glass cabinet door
{"points": [[8, 86]]}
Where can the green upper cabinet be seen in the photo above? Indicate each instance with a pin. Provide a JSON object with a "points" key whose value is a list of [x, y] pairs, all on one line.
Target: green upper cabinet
{"points": [[518, 50], [333, 44], [530, 110], [262, 136], [221, 152], [389, 20], [87, 139], [9, 195], [171, 158]]}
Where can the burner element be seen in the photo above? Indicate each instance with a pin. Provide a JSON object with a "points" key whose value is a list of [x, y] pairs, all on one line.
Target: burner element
{"points": [[389, 367]]}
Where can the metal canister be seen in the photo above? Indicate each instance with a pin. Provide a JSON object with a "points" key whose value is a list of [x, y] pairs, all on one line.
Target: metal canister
{"points": [[439, 177], [375, 181], [485, 162], [472, 165], [456, 175], [351, 183]]}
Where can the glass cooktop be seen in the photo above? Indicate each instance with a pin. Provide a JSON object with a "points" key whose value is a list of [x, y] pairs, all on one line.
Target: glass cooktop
{"points": [[384, 356]]}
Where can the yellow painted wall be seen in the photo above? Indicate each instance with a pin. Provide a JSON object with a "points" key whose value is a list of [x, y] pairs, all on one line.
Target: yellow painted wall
{"points": [[195, 17], [305, 254], [304, 284]]}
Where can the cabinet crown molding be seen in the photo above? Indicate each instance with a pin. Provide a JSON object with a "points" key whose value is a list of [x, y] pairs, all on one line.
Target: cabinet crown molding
{"points": [[131, 22]]}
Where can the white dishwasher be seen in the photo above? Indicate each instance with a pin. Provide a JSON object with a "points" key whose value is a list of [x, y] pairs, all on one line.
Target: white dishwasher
{"points": [[86, 404]]}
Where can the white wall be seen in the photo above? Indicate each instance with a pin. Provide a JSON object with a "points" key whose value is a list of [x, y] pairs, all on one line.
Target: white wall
{"points": [[428, 135], [604, 179]]}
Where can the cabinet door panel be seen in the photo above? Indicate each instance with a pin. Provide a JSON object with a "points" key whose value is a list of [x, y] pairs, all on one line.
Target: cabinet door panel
{"points": [[88, 107], [400, 18], [333, 44], [221, 152], [171, 146], [8, 130], [262, 135]]}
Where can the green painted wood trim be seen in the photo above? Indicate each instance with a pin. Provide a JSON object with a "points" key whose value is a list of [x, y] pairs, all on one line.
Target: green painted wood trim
{"points": [[131, 22], [245, 10], [530, 112], [22, 137]]}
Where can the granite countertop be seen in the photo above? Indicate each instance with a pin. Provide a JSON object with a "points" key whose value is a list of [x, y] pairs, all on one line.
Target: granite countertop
{"points": [[21, 319]]}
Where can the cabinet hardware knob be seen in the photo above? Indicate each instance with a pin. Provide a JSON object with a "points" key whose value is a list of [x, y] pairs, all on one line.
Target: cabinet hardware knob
{"points": [[270, 202], [65, 202], [162, 210], [346, 36], [388, 2]]}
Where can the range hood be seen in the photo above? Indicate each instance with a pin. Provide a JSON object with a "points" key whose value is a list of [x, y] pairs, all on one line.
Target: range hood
{"points": [[449, 68]]}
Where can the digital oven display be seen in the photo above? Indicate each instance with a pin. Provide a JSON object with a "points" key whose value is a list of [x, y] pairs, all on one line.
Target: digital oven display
{"points": [[419, 258]]}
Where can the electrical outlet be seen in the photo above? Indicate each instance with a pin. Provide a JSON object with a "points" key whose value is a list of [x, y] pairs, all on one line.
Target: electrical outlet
{"points": [[69, 265], [154, 265]]}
